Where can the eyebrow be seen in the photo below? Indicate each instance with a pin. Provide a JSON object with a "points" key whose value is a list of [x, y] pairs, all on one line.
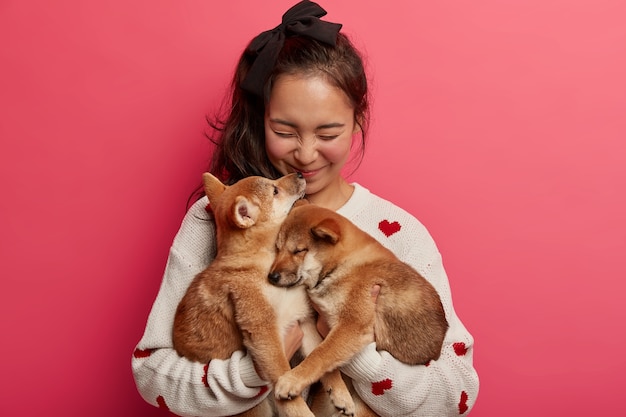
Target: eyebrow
{"points": [[324, 126]]}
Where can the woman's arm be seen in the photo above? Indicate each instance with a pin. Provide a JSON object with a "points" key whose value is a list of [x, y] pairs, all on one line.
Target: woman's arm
{"points": [[167, 380]]}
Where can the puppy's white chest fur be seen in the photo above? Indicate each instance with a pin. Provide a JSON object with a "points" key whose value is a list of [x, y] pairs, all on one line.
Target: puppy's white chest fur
{"points": [[290, 304]]}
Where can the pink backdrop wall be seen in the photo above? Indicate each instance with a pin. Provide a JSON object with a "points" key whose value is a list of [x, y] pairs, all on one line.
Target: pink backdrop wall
{"points": [[500, 124]]}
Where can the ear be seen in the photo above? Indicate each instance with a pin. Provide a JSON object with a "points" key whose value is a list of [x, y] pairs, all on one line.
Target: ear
{"points": [[213, 187], [244, 212], [327, 230]]}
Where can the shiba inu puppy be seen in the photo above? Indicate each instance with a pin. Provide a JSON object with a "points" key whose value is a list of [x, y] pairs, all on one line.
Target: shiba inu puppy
{"points": [[231, 305], [338, 263]]}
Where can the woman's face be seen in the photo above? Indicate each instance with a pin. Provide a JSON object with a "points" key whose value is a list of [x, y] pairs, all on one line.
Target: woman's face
{"points": [[309, 125]]}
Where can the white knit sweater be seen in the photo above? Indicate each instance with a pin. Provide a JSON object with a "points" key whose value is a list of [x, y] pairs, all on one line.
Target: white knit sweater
{"points": [[445, 387]]}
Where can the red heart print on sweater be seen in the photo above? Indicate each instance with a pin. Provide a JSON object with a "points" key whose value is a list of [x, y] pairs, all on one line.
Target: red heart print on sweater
{"points": [[142, 353], [389, 228], [262, 391], [163, 405], [205, 377], [463, 403], [378, 388], [459, 348]]}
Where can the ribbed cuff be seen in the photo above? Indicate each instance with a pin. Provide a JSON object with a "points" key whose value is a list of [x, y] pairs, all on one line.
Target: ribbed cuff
{"points": [[248, 373], [364, 365]]}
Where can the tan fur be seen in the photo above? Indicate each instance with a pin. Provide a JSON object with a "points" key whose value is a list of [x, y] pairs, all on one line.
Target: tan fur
{"points": [[339, 264], [231, 305]]}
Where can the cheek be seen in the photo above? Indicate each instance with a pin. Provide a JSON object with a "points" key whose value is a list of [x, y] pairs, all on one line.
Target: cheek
{"points": [[337, 152], [276, 148]]}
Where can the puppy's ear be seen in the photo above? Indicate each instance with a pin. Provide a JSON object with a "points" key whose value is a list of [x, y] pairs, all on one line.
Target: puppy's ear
{"points": [[327, 230], [301, 202], [244, 212], [213, 187]]}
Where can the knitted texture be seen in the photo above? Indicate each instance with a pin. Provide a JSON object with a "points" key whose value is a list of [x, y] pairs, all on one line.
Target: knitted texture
{"points": [[445, 387]]}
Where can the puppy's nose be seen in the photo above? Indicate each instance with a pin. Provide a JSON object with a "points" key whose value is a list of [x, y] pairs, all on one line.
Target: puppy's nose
{"points": [[300, 174], [274, 277]]}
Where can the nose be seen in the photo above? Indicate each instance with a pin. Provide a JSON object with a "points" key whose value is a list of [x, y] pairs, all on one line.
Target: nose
{"points": [[274, 277], [306, 152]]}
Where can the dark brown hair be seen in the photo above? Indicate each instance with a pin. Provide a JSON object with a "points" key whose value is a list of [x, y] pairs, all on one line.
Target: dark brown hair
{"points": [[239, 134]]}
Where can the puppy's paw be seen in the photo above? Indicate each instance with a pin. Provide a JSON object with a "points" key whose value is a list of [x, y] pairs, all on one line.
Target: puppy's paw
{"points": [[342, 400], [340, 413], [297, 408], [288, 386]]}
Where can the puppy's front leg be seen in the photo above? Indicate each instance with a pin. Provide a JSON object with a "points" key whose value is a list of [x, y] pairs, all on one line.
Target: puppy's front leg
{"points": [[338, 393], [341, 344], [332, 382], [257, 320]]}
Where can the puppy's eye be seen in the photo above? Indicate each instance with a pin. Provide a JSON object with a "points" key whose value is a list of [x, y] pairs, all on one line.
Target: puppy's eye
{"points": [[275, 190], [299, 250]]}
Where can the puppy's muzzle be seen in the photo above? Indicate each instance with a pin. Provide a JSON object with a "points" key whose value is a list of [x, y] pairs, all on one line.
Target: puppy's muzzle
{"points": [[274, 278]]}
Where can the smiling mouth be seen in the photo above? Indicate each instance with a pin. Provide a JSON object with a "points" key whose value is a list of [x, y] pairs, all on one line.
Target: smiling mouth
{"points": [[309, 174]]}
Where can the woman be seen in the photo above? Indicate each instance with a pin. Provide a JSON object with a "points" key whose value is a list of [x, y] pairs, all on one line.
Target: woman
{"points": [[299, 103]]}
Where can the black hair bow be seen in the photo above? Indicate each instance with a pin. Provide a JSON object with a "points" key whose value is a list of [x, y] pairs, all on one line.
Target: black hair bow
{"points": [[302, 19]]}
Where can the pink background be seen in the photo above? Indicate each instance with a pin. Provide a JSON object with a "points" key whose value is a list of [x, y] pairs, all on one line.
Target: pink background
{"points": [[500, 124]]}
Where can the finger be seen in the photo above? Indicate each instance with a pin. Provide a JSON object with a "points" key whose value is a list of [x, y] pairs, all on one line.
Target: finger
{"points": [[374, 292]]}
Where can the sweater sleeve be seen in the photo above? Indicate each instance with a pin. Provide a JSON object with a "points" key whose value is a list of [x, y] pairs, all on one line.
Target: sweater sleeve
{"points": [[169, 381], [445, 387]]}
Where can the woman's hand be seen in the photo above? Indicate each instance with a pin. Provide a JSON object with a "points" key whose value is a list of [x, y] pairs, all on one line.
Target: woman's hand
{"points": [[322, 324], [293, 340]]}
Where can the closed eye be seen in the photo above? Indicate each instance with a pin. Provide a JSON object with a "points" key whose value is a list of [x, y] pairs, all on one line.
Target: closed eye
{"points": [[288, 135], [297, 251], [285, 134]]}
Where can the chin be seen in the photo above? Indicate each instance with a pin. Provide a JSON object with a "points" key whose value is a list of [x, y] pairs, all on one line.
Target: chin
{"points": [[310, 189]]}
